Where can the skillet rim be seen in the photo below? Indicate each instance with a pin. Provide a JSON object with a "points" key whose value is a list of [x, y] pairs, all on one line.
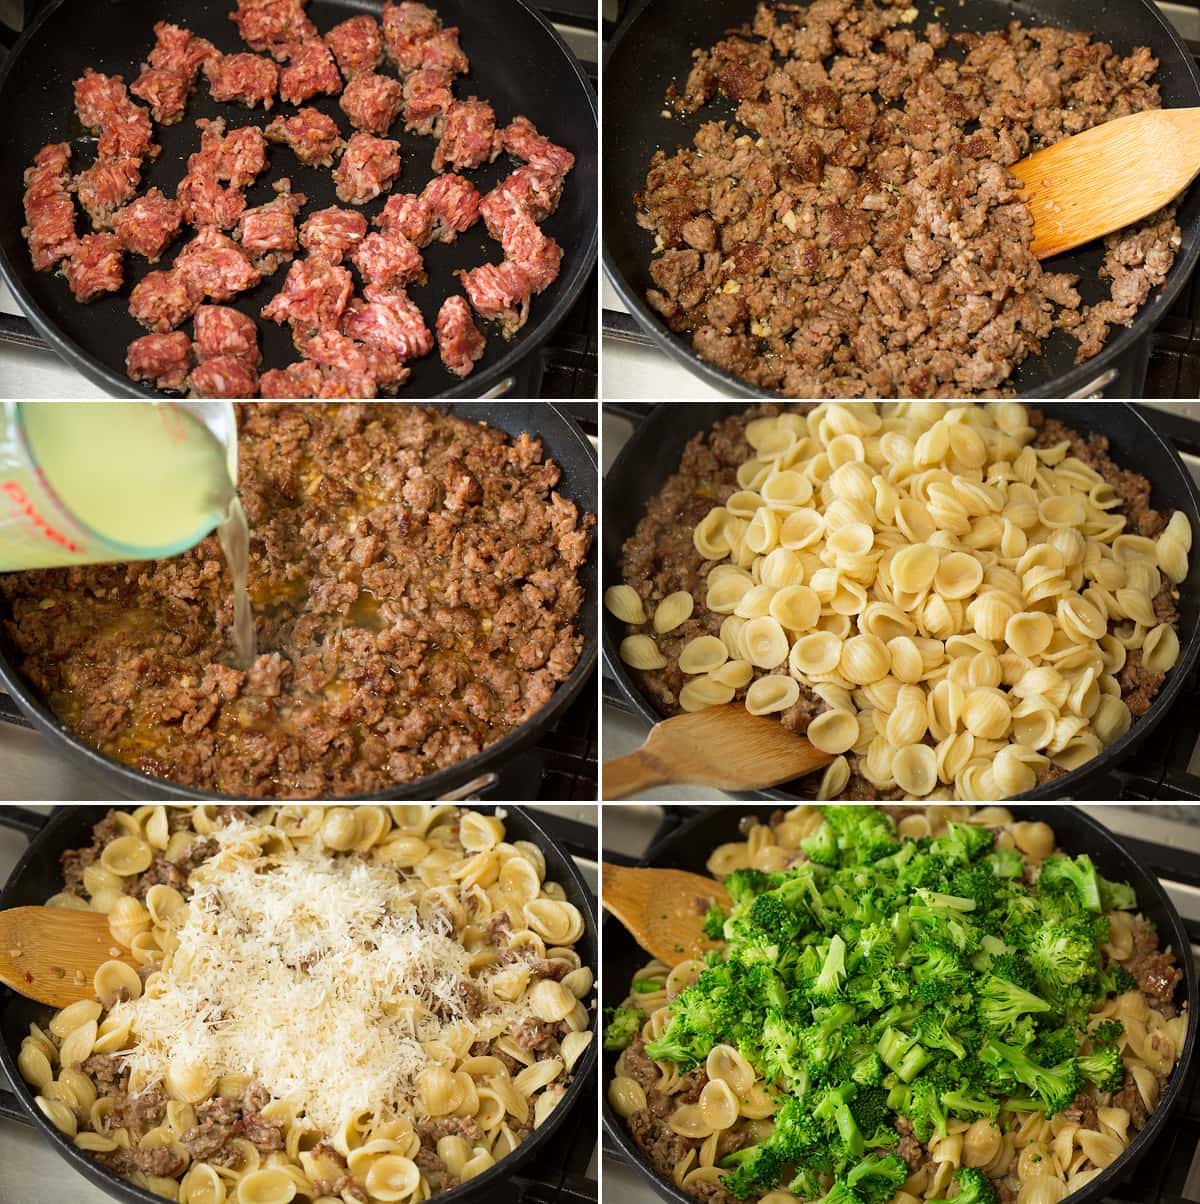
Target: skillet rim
{"points": [[472, 387], [1098, 1188], [1149, 315], [119, 1188], [1109, 758]]}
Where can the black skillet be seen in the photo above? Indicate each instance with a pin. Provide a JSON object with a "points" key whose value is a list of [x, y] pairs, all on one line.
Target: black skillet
{"points": [[653, 49], [688, 846], [569, 448], [38, 875], [518, 62], [653, 453]]}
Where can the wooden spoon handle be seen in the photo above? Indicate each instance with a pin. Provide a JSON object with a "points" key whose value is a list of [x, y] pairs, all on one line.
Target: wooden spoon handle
{"points": [[627, 775]]}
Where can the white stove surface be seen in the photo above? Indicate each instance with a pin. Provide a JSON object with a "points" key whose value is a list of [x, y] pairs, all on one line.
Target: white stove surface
{"points": [[624, 732], [30, 1171], [628, 829], [633, 372]]}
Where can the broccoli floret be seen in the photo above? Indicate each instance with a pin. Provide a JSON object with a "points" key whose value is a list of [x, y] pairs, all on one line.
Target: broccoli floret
{"points": [[926, 1108], [970, 1101], [1055, 1086], [974, 1187], [1107, 1032], [875, 1180], [1003, 1003], [938, 971], [821, 846], [1116, 896], [714, 923], [1005, 863], [723, 1004], [1015, 969], [1056, 1045], [742, 885], [1103, 1068], [841, 1193], [851, 836], [873, 1115], [944, 919], [1072, 873], [757, 1169], [625, 1024], [1119, 980], [869, 1071], [931, 1029], [963, 842], [835, 1106], [1064, 958], [833, 969], [796, 1138]]}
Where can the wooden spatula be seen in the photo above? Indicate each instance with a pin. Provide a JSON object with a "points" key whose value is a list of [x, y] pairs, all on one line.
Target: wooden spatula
{"points": [[1096, 182], [725, 747], [663, 909], [51, 954]]}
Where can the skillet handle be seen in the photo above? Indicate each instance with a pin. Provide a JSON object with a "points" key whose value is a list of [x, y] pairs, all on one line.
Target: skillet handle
{"points": [[23, 819], [10, 1109]]}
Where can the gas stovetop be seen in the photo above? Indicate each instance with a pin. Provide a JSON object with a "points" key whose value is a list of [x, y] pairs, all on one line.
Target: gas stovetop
{"points": [[1167, 767], [1165, 364], [1170, 1172], [565, 366], [568, 1174]]}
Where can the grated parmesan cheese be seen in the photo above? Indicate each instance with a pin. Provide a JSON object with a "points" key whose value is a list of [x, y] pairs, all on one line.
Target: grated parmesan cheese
{"points": [[299, 968]]}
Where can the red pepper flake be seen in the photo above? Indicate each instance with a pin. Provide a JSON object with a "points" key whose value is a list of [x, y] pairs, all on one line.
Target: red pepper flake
{"points": [[28, 976]]}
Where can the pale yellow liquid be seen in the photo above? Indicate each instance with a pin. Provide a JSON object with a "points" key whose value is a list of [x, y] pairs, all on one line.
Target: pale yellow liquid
{"points": [[143, 477], [127, 480]]}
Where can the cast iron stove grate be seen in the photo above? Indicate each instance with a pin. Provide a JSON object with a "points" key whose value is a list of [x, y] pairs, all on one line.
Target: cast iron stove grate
{"points": [[1160, 769], [1164, 1175]]}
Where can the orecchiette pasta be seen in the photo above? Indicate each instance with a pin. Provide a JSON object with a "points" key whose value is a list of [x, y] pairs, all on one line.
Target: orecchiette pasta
{"points": [[329, 1001], [967, 552]]}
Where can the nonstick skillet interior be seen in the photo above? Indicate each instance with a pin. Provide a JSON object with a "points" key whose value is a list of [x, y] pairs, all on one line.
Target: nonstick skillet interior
{"points": [[38, 875], [689, 846], [517, 63], [657, 52], [653, 453]]}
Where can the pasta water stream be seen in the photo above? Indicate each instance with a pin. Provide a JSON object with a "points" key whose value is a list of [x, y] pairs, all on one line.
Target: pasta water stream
{"points": [[105, 482]]}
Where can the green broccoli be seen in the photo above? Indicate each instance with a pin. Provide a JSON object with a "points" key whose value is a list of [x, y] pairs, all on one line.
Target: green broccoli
{"points": [[1055, 1086], [833, 969], [875, 1180], [963, 842], [714, 923], [1003, 1003], [1072, 873], [625, 1024], [647, 986], [834, 1106], [742, 885], [1116, 896], [1103, 1068], [974, 1187], [1064, 958]]}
